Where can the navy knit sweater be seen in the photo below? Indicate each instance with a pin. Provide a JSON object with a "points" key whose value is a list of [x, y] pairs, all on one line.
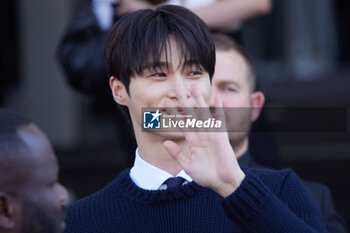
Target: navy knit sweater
{"points": [[266, 201]]}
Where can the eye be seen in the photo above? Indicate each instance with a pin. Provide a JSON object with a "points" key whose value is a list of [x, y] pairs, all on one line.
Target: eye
{"points": [[158, 75], [230, 89], [194, 73]]}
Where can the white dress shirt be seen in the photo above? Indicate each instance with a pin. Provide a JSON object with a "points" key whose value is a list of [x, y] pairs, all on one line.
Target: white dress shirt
{"points": [[149, 177], [103, 11], [191, 4]]}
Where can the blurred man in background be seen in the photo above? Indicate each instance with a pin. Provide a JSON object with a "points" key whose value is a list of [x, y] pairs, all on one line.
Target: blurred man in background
{"points": [[235, 81], [31, 199]]}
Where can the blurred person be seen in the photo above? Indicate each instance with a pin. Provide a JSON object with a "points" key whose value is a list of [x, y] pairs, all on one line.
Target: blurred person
{"points": [[80, 54], [188, 182], [31, 199], [234, 80], [217, 14]]}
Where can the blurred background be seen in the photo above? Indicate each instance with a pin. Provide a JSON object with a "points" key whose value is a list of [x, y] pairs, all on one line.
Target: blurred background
{"points": [[301, 51]]}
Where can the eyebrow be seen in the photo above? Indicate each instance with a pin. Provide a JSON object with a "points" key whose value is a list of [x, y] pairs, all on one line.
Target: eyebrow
{"points": [[224, 82], [156, 65], [166, 65]]}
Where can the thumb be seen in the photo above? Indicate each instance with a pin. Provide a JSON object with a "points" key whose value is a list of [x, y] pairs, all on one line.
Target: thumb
{"points": [[175, 151]]}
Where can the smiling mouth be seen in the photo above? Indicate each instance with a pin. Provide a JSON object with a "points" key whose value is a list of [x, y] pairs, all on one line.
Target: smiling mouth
{"points": [[180, 110]]}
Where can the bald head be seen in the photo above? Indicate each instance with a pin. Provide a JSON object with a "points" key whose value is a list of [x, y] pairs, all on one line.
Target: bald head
{"points": [[31, 199], [13, 150]]}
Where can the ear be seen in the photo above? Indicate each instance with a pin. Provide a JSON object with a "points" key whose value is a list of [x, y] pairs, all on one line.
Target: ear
{"points": [[8, 209], [257, 101], [119, 92]]}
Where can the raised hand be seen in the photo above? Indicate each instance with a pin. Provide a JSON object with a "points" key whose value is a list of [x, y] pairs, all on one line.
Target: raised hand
{"points": [[207, 156]]}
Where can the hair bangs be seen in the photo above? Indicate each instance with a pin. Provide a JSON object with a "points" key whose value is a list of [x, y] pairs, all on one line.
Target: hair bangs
{"points": [[142, 40], [154, 51]]}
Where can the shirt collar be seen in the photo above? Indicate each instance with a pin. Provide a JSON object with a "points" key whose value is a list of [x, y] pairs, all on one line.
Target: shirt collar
{"points": [[149, 177]]}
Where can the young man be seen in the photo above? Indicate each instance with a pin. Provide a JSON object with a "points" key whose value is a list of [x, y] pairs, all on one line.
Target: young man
{"points": [[31, 199], [165, 58], [234, 80]]}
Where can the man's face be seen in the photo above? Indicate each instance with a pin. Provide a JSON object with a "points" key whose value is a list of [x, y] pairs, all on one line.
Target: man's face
{"points": [[42, 197], [230, 81], [156, 88]]}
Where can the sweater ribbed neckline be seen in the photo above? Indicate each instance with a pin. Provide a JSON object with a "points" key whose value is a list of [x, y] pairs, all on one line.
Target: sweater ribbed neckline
{"points": [[128, 189]]}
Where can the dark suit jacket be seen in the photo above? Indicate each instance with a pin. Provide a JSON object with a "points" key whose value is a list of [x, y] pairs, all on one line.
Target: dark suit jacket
{"points": [[320, 195]]}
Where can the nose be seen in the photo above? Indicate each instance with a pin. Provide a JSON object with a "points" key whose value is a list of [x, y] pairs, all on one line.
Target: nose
{"points": [[62, 194], [178, 81]]}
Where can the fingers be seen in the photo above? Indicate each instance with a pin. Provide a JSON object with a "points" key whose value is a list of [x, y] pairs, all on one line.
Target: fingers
{"points": [[193, 103], [175, 151], [200, 102], [182, 97], [171, 113], [219, 110], [204, 110], [218, 101]]}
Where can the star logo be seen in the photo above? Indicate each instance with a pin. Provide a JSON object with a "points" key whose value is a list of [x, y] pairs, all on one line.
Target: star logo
{"points": [[152, 119], [156, 115]]}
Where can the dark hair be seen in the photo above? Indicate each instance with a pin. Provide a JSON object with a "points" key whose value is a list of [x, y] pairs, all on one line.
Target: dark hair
{"points": [[11, 144], [139, 39], [225, 43]]}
